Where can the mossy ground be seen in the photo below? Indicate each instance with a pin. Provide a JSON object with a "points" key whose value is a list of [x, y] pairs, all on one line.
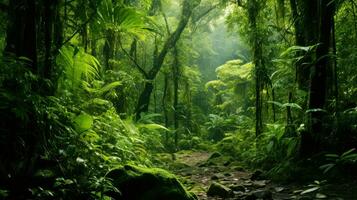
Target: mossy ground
{"points": [[140, 183]]}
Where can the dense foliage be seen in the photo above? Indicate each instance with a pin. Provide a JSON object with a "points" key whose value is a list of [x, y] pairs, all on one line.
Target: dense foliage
{"points": [[90, 86]]}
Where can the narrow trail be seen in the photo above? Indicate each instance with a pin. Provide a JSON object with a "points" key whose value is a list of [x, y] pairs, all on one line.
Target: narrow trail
{"points": [[201, 170]]}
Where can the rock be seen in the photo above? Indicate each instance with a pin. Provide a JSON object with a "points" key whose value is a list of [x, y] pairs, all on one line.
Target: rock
{"points": [[238, 188], [219, 190], [259, 184], [257, 175], [215, 155], [227, 174], [147, 184], [260, 194], [279, 189], [226, 163], [214, 177]]}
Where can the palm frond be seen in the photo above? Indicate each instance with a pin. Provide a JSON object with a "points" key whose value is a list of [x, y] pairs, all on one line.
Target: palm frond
{"points": [[124, 19]]}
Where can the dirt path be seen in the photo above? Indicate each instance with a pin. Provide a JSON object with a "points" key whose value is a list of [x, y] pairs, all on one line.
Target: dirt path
{"points": [[199, 171]]}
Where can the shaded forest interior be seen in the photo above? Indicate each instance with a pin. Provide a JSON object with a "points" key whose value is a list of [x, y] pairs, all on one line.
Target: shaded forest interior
{"points": [[178, 99]]}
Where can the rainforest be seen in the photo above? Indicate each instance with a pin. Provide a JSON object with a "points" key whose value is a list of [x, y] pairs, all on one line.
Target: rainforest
{"points": [[178, 99]]}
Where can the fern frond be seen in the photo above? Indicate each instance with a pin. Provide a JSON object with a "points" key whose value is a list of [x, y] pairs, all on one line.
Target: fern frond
{"points": [[77, 65]]}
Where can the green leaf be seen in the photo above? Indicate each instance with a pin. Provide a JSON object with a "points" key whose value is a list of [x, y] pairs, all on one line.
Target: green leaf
{"points": [[350, 157], [109, 87], [313, 189], [327, 167], [295, 49], [153, 127], [77, 65], [276, 103], [83, 122], [348, 152], [331, 155], [320, 196], [293, 105], [316, 110]]}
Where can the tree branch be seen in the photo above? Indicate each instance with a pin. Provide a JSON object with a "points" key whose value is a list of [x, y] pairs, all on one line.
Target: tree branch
{"points": [[204, 13], [79, 29], [143, 72]]}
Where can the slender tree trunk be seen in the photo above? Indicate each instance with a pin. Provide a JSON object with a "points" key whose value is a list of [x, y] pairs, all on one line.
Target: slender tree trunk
{"points": [[21, 32], [188, 113], [176, 76], [58, 26], [253, 12], [48, 26], [164, 107]]}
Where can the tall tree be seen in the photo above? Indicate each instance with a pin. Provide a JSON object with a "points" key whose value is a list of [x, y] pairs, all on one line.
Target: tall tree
{"points": [[159, 57], [254, 8], [314, 25], [21, 32]]}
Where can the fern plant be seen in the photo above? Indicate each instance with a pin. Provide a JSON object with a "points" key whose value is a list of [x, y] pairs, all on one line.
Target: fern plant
{"points": [[123, 19], [77, 66], [335, 160]]}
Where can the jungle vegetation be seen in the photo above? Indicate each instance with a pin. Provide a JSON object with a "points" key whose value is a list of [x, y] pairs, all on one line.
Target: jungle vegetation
{"points": [[91, 90]]}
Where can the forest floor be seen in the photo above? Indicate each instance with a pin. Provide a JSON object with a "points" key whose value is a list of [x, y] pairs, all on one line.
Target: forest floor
{"points": [[204, 172]]}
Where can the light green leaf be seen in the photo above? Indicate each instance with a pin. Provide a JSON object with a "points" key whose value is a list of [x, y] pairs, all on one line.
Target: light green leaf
{"points": [[327, 167], [153, 127], [320, 196], [315, 110], [313, 189], [348, 152], [276, 103], [293, 105], [83, 122]]}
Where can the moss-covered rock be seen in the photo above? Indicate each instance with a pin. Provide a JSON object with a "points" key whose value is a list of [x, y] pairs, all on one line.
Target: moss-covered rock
{"points": [[219, 190], [138, 183]]}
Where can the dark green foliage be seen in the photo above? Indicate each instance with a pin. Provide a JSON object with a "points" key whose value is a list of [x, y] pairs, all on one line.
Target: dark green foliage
{"points": [[88, 86]]}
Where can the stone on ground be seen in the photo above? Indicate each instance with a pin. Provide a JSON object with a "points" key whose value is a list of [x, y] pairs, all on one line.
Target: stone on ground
{"points": [[219, 190], [138, 183]]}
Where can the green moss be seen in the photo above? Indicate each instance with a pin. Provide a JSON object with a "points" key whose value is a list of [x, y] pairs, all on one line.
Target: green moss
{"points": [[139, 183]]}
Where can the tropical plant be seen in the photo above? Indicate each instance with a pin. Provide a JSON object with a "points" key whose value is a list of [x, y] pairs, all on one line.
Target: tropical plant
{"points": [[337, 161]]}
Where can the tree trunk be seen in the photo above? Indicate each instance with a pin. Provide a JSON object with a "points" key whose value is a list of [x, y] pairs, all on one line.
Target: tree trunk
{"points": [[305, 18], [48, 26], [176, 76], [253, 12], [21, 31], [58, 26], [318, 29], [108, 49], [318, 85], [144, 99], [164, 107]]}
